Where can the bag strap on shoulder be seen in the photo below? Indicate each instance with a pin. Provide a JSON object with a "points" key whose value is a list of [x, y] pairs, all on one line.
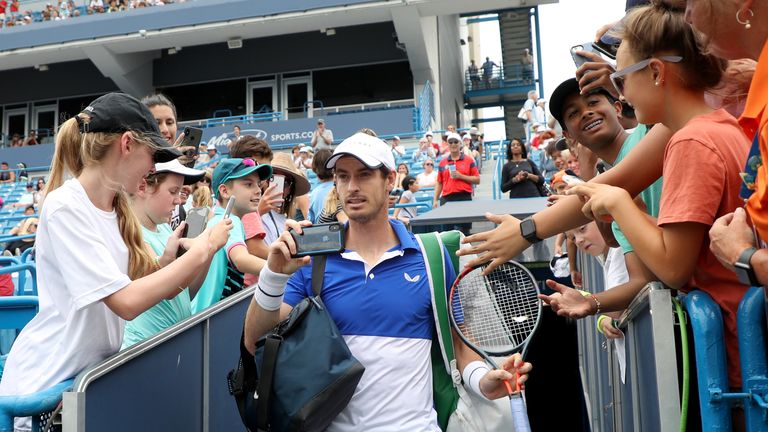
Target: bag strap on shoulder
{"points": [[434, 259], [318, 273]]}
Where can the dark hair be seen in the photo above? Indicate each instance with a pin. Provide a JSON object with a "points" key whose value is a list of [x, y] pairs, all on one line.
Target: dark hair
{"points": [[408, 181], [318, 164], [236, 126], [524, 153], [627, 111], [29, 207], [158, 99], [250, 146], [658, 29]]}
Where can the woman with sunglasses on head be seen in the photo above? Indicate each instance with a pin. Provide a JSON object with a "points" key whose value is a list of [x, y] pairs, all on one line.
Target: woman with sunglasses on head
{"points": [[664, 74], [93, 269]]}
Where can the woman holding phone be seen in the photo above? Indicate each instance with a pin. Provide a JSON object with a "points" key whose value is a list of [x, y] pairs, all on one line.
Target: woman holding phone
{"points": [[93, 270], [153, 204]]}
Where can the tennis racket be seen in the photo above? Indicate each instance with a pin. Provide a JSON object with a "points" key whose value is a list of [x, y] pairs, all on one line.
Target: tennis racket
{"points": [[497, 315]]}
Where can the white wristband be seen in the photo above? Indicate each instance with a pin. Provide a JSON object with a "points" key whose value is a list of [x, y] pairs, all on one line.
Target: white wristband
{"points": [[270, 289], [472, 375]]}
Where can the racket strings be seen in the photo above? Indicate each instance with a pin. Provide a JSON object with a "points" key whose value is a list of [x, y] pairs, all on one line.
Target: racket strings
{"points": [[497, 312]]}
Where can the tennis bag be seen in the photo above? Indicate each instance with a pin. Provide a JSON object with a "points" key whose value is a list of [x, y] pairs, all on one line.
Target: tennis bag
{"points": [[303, 374], [458, 410]]}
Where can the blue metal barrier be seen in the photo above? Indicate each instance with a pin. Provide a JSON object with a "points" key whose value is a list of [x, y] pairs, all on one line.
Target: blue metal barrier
{"points": [[712, 377], [172, 381], [752, 352], [30, 405]]}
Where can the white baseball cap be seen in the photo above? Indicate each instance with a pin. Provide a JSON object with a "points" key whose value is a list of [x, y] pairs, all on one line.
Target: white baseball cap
{"points": [[304, 149], [369, 150], [453, 135], [211, 146], [191, 175]]}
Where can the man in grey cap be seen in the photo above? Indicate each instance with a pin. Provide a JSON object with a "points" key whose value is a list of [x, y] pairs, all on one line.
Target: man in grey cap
{"points": [[322, 138]]}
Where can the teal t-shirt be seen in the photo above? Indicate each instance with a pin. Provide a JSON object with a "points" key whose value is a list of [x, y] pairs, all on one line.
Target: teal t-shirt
{"points": [[651, 195], [164, 314], [223, 278]]}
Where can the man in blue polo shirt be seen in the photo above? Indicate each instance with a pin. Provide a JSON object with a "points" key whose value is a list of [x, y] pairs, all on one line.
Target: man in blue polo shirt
{"points": [[377, 292]]}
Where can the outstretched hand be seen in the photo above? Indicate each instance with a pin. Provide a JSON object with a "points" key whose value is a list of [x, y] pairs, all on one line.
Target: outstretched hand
{"points": [[496, 246], [492, 384], [567, 301]]}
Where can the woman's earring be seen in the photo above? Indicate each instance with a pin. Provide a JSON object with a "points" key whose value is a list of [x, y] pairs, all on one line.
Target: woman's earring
{"points": [[746, 22]]}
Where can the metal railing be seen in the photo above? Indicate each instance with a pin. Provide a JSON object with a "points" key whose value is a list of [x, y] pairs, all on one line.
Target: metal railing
{"points": [[498, 77]]}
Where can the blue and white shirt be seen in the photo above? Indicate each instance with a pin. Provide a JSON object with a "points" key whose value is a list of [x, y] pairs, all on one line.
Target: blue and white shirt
{"points": [[385, 314]]}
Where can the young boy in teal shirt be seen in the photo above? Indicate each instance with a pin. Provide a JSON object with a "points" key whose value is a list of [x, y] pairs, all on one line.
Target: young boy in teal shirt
{"points": [[241, 179]]}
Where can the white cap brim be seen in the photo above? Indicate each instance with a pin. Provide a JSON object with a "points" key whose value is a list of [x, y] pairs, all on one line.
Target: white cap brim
{"points": [[369, 150], [191, 175]]}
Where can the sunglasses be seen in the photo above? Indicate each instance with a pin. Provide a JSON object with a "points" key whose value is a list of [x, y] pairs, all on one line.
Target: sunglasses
{"points": [[617, 78], [453, 141], [429, 164], [205, 180]]}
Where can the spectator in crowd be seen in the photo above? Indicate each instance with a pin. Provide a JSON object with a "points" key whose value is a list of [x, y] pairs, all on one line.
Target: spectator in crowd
{"points": [[239, 179], [28, 227], [294, 197], [164, 112], [474, 78], [319, 192], [540, 112], [31, 138], [702, 161], [402, 172], [250, 147], [397, 148], [424, 152], [3, 9], [16, 140], [431, 142], [305, 158], [476, 143], [528, 107], [428, 177], [397, 342], [23, 175], [552, 162], [571, 161], [410, 187], [29, 211], [236, 133], [450, 128], [527, 62], [213, 155], [95, 274], [6, 176], [519, 176], [332, 209], [271, 199], [295, 155], [488, 71], [322, 137], [27, 198], [97, 5], [154, 202], [455, 178]]}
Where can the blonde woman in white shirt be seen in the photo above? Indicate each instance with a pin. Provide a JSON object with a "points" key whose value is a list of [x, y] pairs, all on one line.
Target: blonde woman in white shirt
{"points": [[93, 269]]}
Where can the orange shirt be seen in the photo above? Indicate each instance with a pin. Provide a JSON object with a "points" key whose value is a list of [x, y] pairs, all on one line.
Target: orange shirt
{"points": [[753, 121], [702, 162]]}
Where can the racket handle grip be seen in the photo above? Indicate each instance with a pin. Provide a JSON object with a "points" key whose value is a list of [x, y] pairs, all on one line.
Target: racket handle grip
{"points": [[519, 413]]}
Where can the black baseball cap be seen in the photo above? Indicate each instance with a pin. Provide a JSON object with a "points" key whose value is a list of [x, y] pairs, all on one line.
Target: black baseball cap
{"points": [[119, 112], [565, 89]]}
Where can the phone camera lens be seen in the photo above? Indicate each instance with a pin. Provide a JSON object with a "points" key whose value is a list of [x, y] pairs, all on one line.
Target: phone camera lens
{"points": [[334, 228]]}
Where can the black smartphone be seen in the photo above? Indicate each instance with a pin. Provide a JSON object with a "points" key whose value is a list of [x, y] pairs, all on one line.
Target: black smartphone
{"points": [[579, 60], [192, 137], [320, 239], [607, 45]]}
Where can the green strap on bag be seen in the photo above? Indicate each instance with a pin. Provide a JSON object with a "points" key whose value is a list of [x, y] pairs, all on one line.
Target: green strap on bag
{"points": [[445, 375]]}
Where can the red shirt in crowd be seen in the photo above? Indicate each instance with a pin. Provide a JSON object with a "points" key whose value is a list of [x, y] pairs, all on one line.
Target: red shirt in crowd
{"points": [[15, 7], [3, 5], [464, 165]]}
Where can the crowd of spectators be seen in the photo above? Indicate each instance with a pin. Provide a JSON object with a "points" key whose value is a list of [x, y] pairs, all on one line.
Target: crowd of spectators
{"points": [[13, 14]]}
